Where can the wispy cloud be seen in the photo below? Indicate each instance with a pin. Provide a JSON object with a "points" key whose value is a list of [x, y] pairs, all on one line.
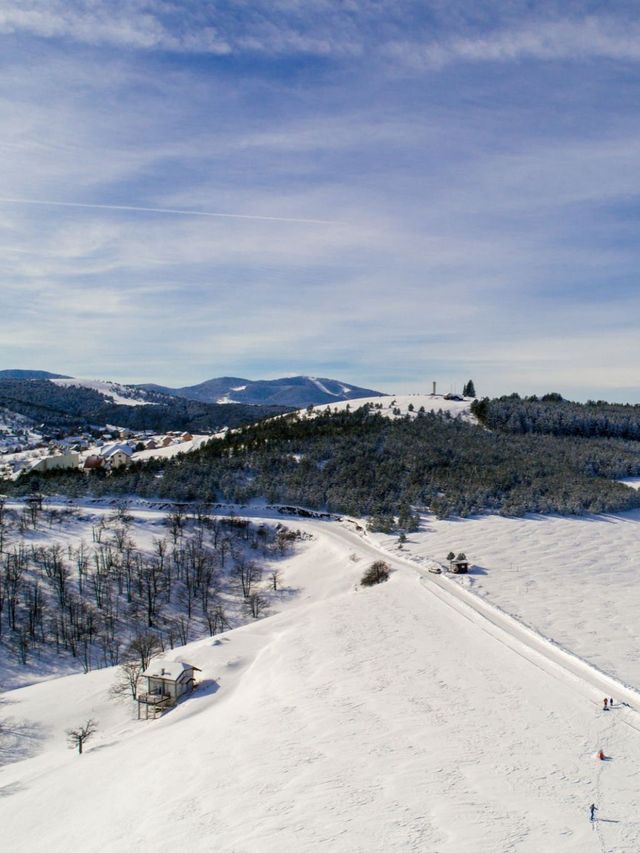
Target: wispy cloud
{"points": [[298, 204], [439, 34], [564, 39], [170, 211], [140, 24]]}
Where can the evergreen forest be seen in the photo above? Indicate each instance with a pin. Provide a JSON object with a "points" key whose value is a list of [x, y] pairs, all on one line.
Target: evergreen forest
{"points": [[364, 464], [68, 407]]}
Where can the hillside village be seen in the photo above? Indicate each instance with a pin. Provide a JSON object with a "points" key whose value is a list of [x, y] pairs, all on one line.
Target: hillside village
{"points": [[107, 448], [112, 448]]}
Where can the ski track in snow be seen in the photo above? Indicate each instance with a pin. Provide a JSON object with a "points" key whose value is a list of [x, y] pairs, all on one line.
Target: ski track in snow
{"points": [[413, 716], [322, 387]]}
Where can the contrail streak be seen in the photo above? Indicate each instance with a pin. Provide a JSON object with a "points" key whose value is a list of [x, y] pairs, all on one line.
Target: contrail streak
{"points": [[166, 210]]}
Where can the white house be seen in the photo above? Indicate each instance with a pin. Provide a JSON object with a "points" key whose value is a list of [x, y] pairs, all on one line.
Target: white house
{"points": [[116, 455], [60, 460], [166, 681]]}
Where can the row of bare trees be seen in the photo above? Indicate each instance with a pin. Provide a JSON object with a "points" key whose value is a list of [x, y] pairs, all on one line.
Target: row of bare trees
{"points": [[89, 601]]}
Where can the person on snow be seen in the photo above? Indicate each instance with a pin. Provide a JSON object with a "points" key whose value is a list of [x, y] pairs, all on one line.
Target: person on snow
{"points": [[611, 703], [601, 755], [593, 809], [605, 701]]}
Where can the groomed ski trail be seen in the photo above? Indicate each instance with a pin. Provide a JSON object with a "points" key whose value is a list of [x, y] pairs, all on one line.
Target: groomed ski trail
{"points": [[511, 632]]}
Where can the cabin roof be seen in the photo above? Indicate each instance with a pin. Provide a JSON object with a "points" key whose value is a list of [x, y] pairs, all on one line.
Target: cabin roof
{"points": [[109, 451], [170, 670]]}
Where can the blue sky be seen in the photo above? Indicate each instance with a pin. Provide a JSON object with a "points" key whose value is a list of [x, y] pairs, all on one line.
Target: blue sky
{"points": [[419, 190]]}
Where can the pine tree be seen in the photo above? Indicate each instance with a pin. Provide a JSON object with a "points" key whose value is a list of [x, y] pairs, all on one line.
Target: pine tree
{"points": [[469, 389]]}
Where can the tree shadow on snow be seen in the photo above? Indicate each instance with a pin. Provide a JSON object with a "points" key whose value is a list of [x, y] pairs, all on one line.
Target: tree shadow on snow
{"points": [[477, 570], [13, 788], [287, 591], [19, 740]]}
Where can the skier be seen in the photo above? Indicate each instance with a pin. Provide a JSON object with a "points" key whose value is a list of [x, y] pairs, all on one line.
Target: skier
{"points": [[593, 809], [605, 701], [611, 703], [601, 755]]}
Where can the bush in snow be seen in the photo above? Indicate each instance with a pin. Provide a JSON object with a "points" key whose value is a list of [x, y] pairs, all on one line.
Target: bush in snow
{"points": [[376, 573]]}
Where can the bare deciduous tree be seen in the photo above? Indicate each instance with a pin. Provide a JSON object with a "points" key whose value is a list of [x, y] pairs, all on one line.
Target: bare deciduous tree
{"points": [[248, 573], [256, 604], [78, 736], [128, 677], [175, 522], [275, 576], [145, 646], [217, 619]]}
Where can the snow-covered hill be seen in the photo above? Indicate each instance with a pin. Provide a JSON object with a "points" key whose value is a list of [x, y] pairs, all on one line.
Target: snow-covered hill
{"points": [[401, 405], [387, 719], [123, 395]]}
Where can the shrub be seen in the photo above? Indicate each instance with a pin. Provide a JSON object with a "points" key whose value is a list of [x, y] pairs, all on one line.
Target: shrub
{"points": [[376, 573]]}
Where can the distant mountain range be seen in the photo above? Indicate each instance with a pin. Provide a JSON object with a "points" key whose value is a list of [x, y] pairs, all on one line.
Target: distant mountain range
{"points": [[52, 402], [295, 391], [291, 391], [31, 374]]}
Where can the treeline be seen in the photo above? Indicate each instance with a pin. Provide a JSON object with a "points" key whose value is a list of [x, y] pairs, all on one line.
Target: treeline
{"points": [[363, 464], [68, 407], [90, 600], [551, 415]]}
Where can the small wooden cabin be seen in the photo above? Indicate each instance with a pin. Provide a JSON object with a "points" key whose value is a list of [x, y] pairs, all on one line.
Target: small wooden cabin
{"points": [[459, 567], [167, 681]]}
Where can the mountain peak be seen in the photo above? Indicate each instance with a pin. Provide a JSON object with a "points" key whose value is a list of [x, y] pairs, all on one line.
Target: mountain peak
{"points": [[296, 391]]}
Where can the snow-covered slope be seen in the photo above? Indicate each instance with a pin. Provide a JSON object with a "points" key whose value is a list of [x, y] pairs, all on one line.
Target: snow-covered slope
{"points": [[123, 395], [355, 720], [573, 578], [401, 405]]}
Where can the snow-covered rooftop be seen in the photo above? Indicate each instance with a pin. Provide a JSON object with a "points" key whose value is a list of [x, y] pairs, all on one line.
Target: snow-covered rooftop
{"points": [[169, 669], [109, 450]]}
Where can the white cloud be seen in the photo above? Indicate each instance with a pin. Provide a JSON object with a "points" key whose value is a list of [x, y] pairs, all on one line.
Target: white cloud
{"points": [[582, 38], [470, 221], [125, 24]]}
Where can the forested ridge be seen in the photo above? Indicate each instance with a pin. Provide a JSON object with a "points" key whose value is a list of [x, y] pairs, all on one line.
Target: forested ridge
{"points": [[367, 465], [551, 415], [73, 406]]}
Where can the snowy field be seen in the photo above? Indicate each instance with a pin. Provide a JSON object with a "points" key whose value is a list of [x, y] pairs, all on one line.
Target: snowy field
{"points": [[387, 719], [575, 579]]}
